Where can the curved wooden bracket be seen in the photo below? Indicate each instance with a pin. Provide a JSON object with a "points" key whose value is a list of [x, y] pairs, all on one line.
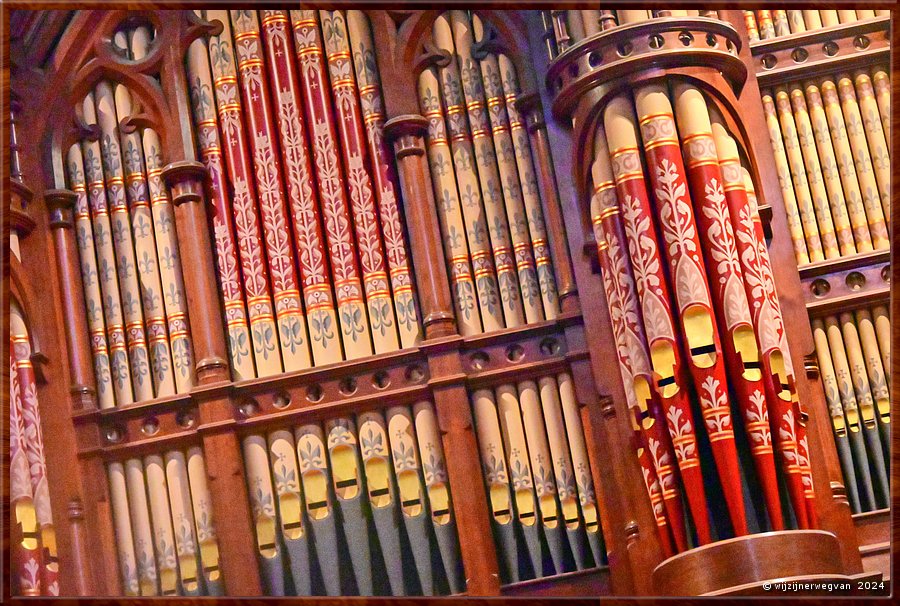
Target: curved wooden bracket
{"points": [[490, 43], [198, 27], [132, 123], [431, 56]]}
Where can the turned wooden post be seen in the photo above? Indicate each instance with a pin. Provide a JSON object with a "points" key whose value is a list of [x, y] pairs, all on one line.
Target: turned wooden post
{"points": [[185, 180], [60, 206], [407, 132], [80, 554], [530, 107], [470, 501]]}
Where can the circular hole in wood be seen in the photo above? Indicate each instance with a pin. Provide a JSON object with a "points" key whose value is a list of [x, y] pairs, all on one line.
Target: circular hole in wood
{"points": [[479, 360], [594, 59], [185, 419], [656, 41], [768, 61], [861, 42], [712, 41], [515, 353], [381, 379], [550, 346], [150, 426], [281, 400], [624, 49], [886, 274], [248, 408], [113, 434], [830, 48], [687, 38], [347, 386], [729, 45], [314, 392], [799, 55], [820, 287], [855, 280], [414, 373]]}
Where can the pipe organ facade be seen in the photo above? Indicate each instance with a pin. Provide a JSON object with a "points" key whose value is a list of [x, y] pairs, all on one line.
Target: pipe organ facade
{"points": [[344, 302]]}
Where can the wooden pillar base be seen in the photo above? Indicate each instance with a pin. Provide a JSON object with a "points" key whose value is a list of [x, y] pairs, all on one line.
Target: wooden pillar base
{"points": [[751, 562]]}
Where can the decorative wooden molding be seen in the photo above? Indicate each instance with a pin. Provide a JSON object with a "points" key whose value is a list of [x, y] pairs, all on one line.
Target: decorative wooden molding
{"points": [[818, 52]]}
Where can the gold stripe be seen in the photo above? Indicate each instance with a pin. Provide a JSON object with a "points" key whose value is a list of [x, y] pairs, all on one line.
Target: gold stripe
{"points": [[343, 83], [337, 55], [256, 319], [226, 79], [238, 36], [115, 180], [624, 150], [607, 212], [502, 128], [249, 63], [274, 18], [309, 51], [604, 185], [629, 176], [659, 143], [368, 88], [649, 117]]}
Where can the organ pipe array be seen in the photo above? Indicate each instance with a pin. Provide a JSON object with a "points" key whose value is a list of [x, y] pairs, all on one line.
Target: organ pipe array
{"points": [[357, 505], [303, 110], [538, 478], [853, 351], [833, 162], [684, 261], [164, 527], [130, 267], [34, 554], [766, 25]]}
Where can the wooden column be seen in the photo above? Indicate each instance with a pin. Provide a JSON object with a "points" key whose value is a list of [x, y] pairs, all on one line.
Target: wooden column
{"points": [[470, 506], [530, 107], [221, 447], [407, 132], [60, 206], [185, 180]]}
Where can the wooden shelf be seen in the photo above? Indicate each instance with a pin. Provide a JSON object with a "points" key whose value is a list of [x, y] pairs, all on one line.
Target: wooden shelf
{"points": [[395, 378], [846, 283], [822, 51], [582, 583], [873, 530]]}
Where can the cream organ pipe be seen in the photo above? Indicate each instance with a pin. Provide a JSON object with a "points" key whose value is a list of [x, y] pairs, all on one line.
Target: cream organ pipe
{"points": [[581, 463], [286, 477], [493, 463], [179, 494], [262, 499], [439, 501], [382, 492], [164, 538], [878, 148], [319, 503], [406, 466], [882, 83], [349, 488], [203, 520], [836, 411], [883, 331], [122, 523], [876, 372], [140, 527]]}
